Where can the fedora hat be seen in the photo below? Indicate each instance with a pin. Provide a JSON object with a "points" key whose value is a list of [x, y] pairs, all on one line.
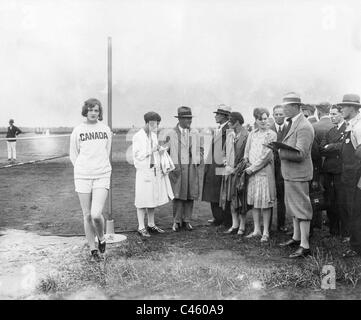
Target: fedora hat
{"points": [[184, 112], [223, 109], [350, 100], [291, 98]]}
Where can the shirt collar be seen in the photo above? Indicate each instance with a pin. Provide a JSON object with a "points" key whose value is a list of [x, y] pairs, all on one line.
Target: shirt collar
{"points": [[182, 130], [340, 124], [222, 125], [279, 126], [296, 117]]}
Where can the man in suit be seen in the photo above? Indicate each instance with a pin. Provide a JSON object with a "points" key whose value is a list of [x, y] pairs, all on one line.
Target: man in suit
{"points": [[351, 170], [214, 169], [320, 127], [186, 153], [297, 169], [279, 126], [330, 149]]}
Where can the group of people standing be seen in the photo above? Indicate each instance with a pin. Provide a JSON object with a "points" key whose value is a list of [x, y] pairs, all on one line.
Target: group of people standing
{"points": [[278, 161]]}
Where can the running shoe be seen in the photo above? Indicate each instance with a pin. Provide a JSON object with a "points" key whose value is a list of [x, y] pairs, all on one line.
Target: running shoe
{"points": [[95, 256], [155, 229], [102, 245], [143, 233]]}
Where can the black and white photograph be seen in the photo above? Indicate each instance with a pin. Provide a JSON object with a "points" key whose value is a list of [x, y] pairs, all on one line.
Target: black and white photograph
{"points": [[185, 150]]}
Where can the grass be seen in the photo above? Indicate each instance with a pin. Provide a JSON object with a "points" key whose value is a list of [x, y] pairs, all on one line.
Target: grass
{"points": [[202, 264]]}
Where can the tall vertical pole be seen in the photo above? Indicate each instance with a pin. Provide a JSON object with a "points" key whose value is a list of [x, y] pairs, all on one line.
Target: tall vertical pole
{"points": [[110, 235], [110, 213]]}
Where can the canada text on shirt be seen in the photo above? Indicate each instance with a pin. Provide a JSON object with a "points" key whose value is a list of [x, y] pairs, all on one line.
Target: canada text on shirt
{"points": [[93, 136]]}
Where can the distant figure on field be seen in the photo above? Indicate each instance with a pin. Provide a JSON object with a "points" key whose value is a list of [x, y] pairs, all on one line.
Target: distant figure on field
{"points": [[13, 131]]}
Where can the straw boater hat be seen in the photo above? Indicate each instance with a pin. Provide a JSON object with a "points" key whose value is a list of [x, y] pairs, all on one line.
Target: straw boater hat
{"points": [[291, 98], [184, 112], [223, 109], [352, 100]]}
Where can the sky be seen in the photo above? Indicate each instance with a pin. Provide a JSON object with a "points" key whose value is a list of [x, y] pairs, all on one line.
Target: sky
{"points": [[166, 54]]}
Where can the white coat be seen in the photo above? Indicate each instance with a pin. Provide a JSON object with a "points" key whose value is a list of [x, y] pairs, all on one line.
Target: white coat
{"points": [[152, 187]]}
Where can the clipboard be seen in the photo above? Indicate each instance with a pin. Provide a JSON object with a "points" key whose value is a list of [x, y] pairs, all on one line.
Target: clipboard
{"points": [[279, 145]]}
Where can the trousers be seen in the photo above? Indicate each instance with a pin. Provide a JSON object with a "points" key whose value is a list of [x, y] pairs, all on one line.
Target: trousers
{"points": [[11, 149], [182, 210]]}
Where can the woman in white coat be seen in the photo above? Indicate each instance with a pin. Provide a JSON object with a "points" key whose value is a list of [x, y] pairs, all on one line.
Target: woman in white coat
{"points": [[152, 185]]}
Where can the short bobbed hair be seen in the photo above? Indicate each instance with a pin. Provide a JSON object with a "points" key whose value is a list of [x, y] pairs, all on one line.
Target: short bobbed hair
{"points": [[89, 104], [152, 116], [257, 112], [236, 116]]}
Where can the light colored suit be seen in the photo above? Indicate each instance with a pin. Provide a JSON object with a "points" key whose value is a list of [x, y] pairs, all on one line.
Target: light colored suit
{"points": [[297, 168], [297, 165]]}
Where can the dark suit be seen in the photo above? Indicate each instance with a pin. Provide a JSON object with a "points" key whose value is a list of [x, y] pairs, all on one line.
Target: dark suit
{"points": [[331, 170], [351, 193], [280, 184], [212, 179], [321, 128]]}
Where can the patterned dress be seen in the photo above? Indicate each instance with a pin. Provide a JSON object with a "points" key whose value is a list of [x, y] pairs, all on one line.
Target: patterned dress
{"points": [[261, 189]]}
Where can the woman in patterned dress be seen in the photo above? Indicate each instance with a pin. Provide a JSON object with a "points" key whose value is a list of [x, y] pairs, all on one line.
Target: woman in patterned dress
{"points": [[261, 189]]}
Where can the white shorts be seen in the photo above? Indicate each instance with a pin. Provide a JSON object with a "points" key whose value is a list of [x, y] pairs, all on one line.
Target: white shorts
{"points": [[87, 185]]}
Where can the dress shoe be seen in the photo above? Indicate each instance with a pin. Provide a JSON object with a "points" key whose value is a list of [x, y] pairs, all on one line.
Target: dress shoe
{"points": [[301, 252], [290, 243], [175, 227], [349, 254], [282, 229], [188, 226], [231, 230]]}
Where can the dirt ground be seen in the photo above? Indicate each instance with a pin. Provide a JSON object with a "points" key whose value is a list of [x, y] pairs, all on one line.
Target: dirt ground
{"points": [[41, 230], [40, 197]]}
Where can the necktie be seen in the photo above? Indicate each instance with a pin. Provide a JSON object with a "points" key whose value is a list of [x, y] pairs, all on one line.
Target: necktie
{"points": [[279, 133], [289, 125]]}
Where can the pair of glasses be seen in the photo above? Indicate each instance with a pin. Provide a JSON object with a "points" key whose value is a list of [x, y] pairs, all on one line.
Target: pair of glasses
{"points": [[262, 119]]}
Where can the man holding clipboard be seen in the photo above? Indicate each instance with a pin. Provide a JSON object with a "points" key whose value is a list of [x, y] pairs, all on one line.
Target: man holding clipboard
{"points": [[296, 167]]}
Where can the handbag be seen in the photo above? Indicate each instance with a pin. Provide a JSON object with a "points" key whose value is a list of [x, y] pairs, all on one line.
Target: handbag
{"points": [[318, 200]]}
